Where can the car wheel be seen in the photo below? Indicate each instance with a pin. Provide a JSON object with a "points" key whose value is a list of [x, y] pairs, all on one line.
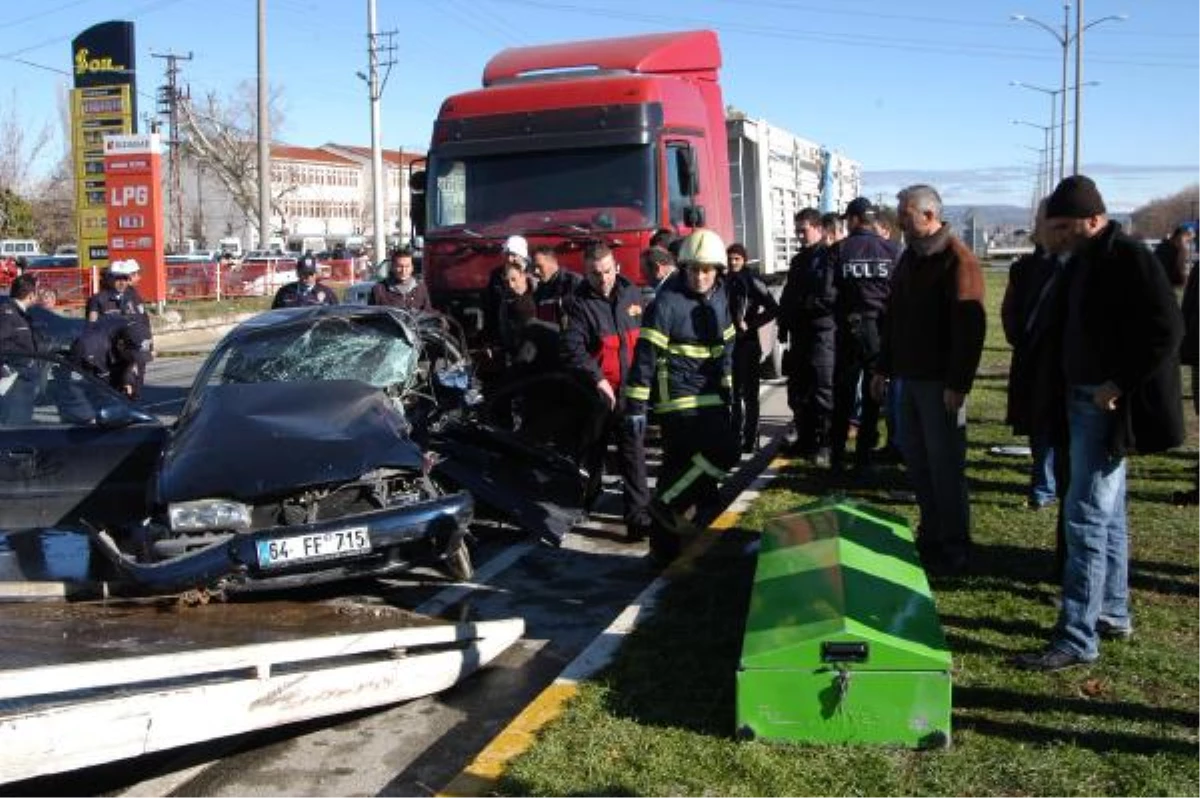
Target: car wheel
{"points": [[458, 562]]}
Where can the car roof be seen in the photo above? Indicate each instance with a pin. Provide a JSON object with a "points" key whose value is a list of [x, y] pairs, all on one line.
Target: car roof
{"points": [[309, 313]]}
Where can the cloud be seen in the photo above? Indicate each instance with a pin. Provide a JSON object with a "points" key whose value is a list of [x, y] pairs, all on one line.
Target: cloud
{"points": [[1125, 186]]}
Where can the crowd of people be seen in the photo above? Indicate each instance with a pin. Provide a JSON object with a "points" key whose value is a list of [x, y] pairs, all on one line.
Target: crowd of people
{"points": [[875, 331]]}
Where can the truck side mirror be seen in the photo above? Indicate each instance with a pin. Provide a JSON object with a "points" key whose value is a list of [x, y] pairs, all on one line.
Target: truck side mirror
{"points": [[416, 208], [693, 216], [685, 166]]}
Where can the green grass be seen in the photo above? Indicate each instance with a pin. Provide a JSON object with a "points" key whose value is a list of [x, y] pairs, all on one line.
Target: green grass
{"points": [[660, 720]]}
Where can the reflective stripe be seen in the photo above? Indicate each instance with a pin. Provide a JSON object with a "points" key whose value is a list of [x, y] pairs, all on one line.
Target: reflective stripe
{"points": [[708, 468], [655, 337], [637, 392], [682, 484], [664, 382], [697, 351], [689, 403], [729, 333]]}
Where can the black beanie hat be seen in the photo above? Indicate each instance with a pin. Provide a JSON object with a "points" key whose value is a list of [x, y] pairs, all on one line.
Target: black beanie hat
{"points": [[1076, 197]]}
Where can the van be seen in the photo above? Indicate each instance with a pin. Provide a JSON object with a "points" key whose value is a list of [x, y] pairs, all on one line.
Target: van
{"points": [[19, 248]]}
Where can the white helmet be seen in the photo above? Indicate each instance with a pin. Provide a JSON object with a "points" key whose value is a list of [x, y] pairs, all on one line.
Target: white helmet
{"points": [[702, 246], [517, 245], [124, 268]]}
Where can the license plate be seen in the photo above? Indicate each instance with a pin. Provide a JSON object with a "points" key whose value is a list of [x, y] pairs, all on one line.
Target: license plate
{"points": [[315, 546]]}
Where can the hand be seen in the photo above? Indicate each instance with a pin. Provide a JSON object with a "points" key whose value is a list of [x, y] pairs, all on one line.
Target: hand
{"points": [[636, 424], [1106, 396], [879, 385], [606, 390], [953, 400]]}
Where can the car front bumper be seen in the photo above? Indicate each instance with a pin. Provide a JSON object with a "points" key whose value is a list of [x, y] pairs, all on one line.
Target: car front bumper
{"points": [[430, 530]]}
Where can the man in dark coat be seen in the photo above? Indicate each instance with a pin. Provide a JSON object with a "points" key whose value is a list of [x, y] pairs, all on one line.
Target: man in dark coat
{"points": [[1120, 361], [401, 288], [1189, 355], [18, 374], [1175, 254], [751, 305]]}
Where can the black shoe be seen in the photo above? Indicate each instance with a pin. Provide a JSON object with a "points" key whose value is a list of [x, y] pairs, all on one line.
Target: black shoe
{"points": [[1110, 631], [1048, 660], [749, 446], [1035, 505]]}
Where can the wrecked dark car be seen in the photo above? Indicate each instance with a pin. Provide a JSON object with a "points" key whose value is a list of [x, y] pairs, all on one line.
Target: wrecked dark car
{"points": [[315, 444]]}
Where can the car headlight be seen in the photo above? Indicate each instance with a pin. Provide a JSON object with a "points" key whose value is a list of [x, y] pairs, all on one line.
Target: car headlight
{"points": [[206, 514]]}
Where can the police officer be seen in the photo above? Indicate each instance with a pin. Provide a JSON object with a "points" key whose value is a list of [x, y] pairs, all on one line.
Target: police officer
{"points": [[118, 295], [116, 349], [603, 318], [305, 290], [863, 270], [685, 349], [806, 322], [18, 373], [750, 306]]}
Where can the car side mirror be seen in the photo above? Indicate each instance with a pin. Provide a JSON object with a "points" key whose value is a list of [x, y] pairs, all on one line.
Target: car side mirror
{"points": [[116, 416]]}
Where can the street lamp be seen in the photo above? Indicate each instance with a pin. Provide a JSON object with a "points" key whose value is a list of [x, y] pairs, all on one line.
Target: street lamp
{"points": [[1064, 40], [1045, 168], [1046, 131], [1053, 93]]}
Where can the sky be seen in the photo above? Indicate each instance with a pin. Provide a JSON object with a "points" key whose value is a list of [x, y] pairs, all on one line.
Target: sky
{"points": [[914, 91]]}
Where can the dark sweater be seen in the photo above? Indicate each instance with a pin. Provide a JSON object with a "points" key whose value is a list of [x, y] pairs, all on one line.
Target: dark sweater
{"points": [[935, 323]]}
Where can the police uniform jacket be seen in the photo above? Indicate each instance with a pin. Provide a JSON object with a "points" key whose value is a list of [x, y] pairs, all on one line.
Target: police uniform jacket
{"points": [[16, 329], [293, 296], [750, 301], [684, 351], [862, 276], [601, 332], [109, 300]]}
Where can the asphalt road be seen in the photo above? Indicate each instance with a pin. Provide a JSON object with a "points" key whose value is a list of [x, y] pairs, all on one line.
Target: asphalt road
{"points": [[566, 596]]}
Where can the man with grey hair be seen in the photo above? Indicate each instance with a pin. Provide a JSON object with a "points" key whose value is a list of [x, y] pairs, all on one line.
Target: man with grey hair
{"points": [[932, 340]]}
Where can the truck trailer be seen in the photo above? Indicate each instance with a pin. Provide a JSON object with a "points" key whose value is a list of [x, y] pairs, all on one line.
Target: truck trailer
{"points": [[608, 140]]}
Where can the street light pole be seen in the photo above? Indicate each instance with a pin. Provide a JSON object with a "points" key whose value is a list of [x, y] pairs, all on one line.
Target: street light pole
{"points": [[1061, 126], [1046, 139], [1062, 140], [1078, 80], [264, 133]]}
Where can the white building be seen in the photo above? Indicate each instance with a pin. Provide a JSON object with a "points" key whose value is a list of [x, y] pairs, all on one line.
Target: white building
{"points": [[320, 193]]}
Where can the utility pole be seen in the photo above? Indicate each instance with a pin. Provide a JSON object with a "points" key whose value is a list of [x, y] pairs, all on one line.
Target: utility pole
{"points": [[381, 51], [264, 133], [1078, 81], [1062, 87], [169, 97]]}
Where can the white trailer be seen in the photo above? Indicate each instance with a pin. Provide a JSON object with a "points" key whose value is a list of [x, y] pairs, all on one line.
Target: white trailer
{"points": [[772, 175]]}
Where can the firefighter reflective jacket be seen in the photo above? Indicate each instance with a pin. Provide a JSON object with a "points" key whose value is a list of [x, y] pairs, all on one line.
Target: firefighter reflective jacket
{"points": [[684, 352]]}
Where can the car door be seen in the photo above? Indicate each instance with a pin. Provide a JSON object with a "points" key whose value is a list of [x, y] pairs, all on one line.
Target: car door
{"points": [[72, 450]]}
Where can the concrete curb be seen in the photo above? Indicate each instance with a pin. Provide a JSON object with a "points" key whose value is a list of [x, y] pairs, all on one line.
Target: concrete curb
{"points": [[198, 334], [480, 776]]}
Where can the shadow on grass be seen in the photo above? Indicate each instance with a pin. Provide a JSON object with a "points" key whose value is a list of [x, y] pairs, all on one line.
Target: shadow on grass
{"points": [[1009, 700], [1101, 742], [1014, 628], [689, 684]]}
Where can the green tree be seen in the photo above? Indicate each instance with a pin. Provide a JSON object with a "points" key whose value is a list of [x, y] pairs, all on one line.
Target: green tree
{"points": [[16, 216]]}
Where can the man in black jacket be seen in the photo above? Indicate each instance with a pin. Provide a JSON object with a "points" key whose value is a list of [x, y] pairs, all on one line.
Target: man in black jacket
{"points": [[806, 324], [751, 305], [18, 374], [1121, 334]]}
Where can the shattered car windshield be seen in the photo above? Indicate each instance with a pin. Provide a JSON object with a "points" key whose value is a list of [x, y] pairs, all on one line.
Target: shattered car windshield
{"points": [[374, 350]]}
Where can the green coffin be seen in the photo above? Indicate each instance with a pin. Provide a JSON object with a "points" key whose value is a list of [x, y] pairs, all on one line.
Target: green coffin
{"points": [[842, 642]]}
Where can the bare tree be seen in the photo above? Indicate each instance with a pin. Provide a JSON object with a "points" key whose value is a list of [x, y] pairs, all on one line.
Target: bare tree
{"points": [[221, 134], [20, 147], [1157, 218]]}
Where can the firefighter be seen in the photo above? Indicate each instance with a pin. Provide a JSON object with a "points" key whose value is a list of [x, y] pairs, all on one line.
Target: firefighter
{"points": [[863, 267], [305, 290], [750, 306], [685, 350], [118, 294], [603, 316]]}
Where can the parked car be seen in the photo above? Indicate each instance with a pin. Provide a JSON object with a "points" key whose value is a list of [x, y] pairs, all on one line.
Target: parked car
{"points": [[315, 444], [262, 274]]}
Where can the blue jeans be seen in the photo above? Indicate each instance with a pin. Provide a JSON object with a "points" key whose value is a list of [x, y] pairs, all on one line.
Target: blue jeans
{"points": [[1042, 487], [1096, 578]]}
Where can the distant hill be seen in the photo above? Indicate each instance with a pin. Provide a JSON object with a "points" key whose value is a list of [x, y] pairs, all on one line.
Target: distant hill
{"points": [[988, 215]]}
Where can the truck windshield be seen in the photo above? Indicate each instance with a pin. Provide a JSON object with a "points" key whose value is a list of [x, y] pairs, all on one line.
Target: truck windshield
{"points": [[605, 188]]}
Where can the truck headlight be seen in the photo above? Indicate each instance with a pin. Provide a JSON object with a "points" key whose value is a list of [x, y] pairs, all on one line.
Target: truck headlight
{"points": [[203, 515]]}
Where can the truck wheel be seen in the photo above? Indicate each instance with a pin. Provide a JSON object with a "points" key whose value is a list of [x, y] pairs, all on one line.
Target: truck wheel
{"points": [[458, 563]]}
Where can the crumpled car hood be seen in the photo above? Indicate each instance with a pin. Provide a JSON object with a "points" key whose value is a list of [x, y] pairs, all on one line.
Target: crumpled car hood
{"points": [[247, 441]]}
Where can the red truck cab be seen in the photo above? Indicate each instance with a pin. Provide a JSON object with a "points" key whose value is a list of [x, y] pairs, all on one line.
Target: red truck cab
{"points": [[567, 144]]}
